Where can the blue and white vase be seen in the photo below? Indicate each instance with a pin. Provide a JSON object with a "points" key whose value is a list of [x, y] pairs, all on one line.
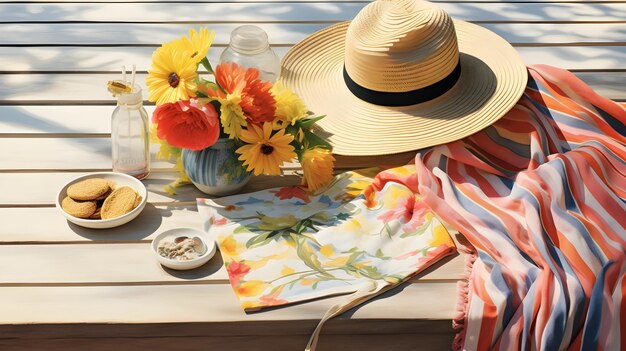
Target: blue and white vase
{"points": [[216, 170]]}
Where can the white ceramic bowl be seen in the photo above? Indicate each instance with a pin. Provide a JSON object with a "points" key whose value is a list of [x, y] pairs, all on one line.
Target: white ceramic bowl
{"points": [[121, 180], [184, 265]]}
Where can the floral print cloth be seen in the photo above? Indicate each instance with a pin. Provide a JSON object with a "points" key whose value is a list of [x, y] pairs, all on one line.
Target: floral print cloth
{"points": [[284, 245]]}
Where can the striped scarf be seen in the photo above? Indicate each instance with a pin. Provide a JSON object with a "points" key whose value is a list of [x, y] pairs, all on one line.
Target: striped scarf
{"points": [[541, 197]]}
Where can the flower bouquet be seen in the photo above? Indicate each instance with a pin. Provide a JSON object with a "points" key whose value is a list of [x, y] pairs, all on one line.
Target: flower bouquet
{"points": [[268, 122]]}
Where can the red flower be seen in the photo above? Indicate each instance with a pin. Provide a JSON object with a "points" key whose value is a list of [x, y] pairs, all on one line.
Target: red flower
{"points": [[410, 211], [257, 102], [187, 124], [236, 271], [289, 192]]}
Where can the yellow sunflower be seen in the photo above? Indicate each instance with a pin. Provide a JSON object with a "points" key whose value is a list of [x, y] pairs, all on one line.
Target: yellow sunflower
{"points": [[232, 116], [265, 153], [289, 107], [172, 75], [317, 164]]}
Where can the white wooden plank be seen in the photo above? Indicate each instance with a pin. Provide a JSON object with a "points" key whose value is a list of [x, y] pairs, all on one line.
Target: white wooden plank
{"points": [[140, 34], [50, 226], [57, 119], [40, 188], [280, 34], [88, 59], [211, 303], [305, 12], [111, 59], [59, 89], [109, 263]]}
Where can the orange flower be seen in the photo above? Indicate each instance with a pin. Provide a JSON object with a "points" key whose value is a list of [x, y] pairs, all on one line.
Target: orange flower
{"points": [[289, 192], [257, 102], [272, 299], [234, 78]]}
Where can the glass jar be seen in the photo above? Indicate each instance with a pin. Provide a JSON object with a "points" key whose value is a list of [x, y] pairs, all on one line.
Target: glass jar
{"points": [[130, 135], [250, 48]]}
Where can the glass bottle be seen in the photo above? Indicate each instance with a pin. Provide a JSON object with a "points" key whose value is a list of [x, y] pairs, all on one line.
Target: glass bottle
{"points": [[249, 47], [130, 135]]}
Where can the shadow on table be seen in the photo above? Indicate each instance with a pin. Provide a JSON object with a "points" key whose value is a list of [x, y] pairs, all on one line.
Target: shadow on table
{"points": [[148, 222], [214, 265]]}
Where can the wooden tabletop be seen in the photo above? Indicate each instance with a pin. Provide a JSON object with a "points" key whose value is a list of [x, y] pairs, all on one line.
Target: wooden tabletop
{"points": [[63, 287]]}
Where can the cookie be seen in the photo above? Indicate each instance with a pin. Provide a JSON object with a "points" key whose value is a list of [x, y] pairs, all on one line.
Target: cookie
{"points": [[80, 209], [96, 215], [88, 189], [112, 184], [137, 200], [120, 202], [103, 197]]}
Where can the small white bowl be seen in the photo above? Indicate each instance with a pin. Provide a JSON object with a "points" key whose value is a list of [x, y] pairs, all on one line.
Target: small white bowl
{"points": [[121, 180], [184, 265]]}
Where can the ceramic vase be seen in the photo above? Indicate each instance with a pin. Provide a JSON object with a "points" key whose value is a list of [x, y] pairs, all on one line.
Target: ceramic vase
{"points": [[216, 170]]}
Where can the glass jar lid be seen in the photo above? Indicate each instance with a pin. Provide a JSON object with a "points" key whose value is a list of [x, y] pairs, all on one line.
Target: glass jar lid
{"points": [[249, 40]]}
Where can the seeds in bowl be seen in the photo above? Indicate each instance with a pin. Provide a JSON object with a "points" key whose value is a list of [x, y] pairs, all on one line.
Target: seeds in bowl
{"points": [[182, 248]]}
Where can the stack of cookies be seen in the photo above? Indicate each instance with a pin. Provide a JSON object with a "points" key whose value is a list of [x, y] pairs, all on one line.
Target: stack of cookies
{"points": [[98, 198]]}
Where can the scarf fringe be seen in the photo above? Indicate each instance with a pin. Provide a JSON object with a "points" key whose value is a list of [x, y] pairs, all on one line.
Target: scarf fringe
{"points": [[463, 292]]}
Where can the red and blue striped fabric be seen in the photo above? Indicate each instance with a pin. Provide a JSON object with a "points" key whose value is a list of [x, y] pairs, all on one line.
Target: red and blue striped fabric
{"points": [[541, 196]]}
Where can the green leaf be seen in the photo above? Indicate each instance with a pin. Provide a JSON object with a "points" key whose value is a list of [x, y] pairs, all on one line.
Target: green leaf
{"points": [[205, 62], [308, 255], [308, 122], [242, 230], [387, 229], [371, 272], [418, 231], [380, 254], [210, 84], [260, 239], [313, 140]]}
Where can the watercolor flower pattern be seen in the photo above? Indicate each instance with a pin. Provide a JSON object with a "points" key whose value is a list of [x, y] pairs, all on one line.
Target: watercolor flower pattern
{"points": [[284, 245]]}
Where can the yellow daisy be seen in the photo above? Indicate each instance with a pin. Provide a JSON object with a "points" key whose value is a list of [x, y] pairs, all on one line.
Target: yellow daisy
{"points": [[198, 43], [172, 75], [232, 117], [265, 153], [317, 164], [289, 107]]}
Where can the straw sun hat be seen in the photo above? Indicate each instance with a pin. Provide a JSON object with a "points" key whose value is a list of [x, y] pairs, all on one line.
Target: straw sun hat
{"points": [[403, 76]]}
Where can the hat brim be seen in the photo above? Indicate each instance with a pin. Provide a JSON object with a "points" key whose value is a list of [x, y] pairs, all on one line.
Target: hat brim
{"points": [[493, 78]]}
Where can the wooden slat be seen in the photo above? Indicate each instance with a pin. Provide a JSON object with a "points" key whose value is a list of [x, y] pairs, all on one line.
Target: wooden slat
{"points": [[304, 12], [111, 59], [210, 303], [61, 264], [51, 120], [59, 89], [280, 34], [19, 227], [41, 189], [82, 154], [396, 342]]}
